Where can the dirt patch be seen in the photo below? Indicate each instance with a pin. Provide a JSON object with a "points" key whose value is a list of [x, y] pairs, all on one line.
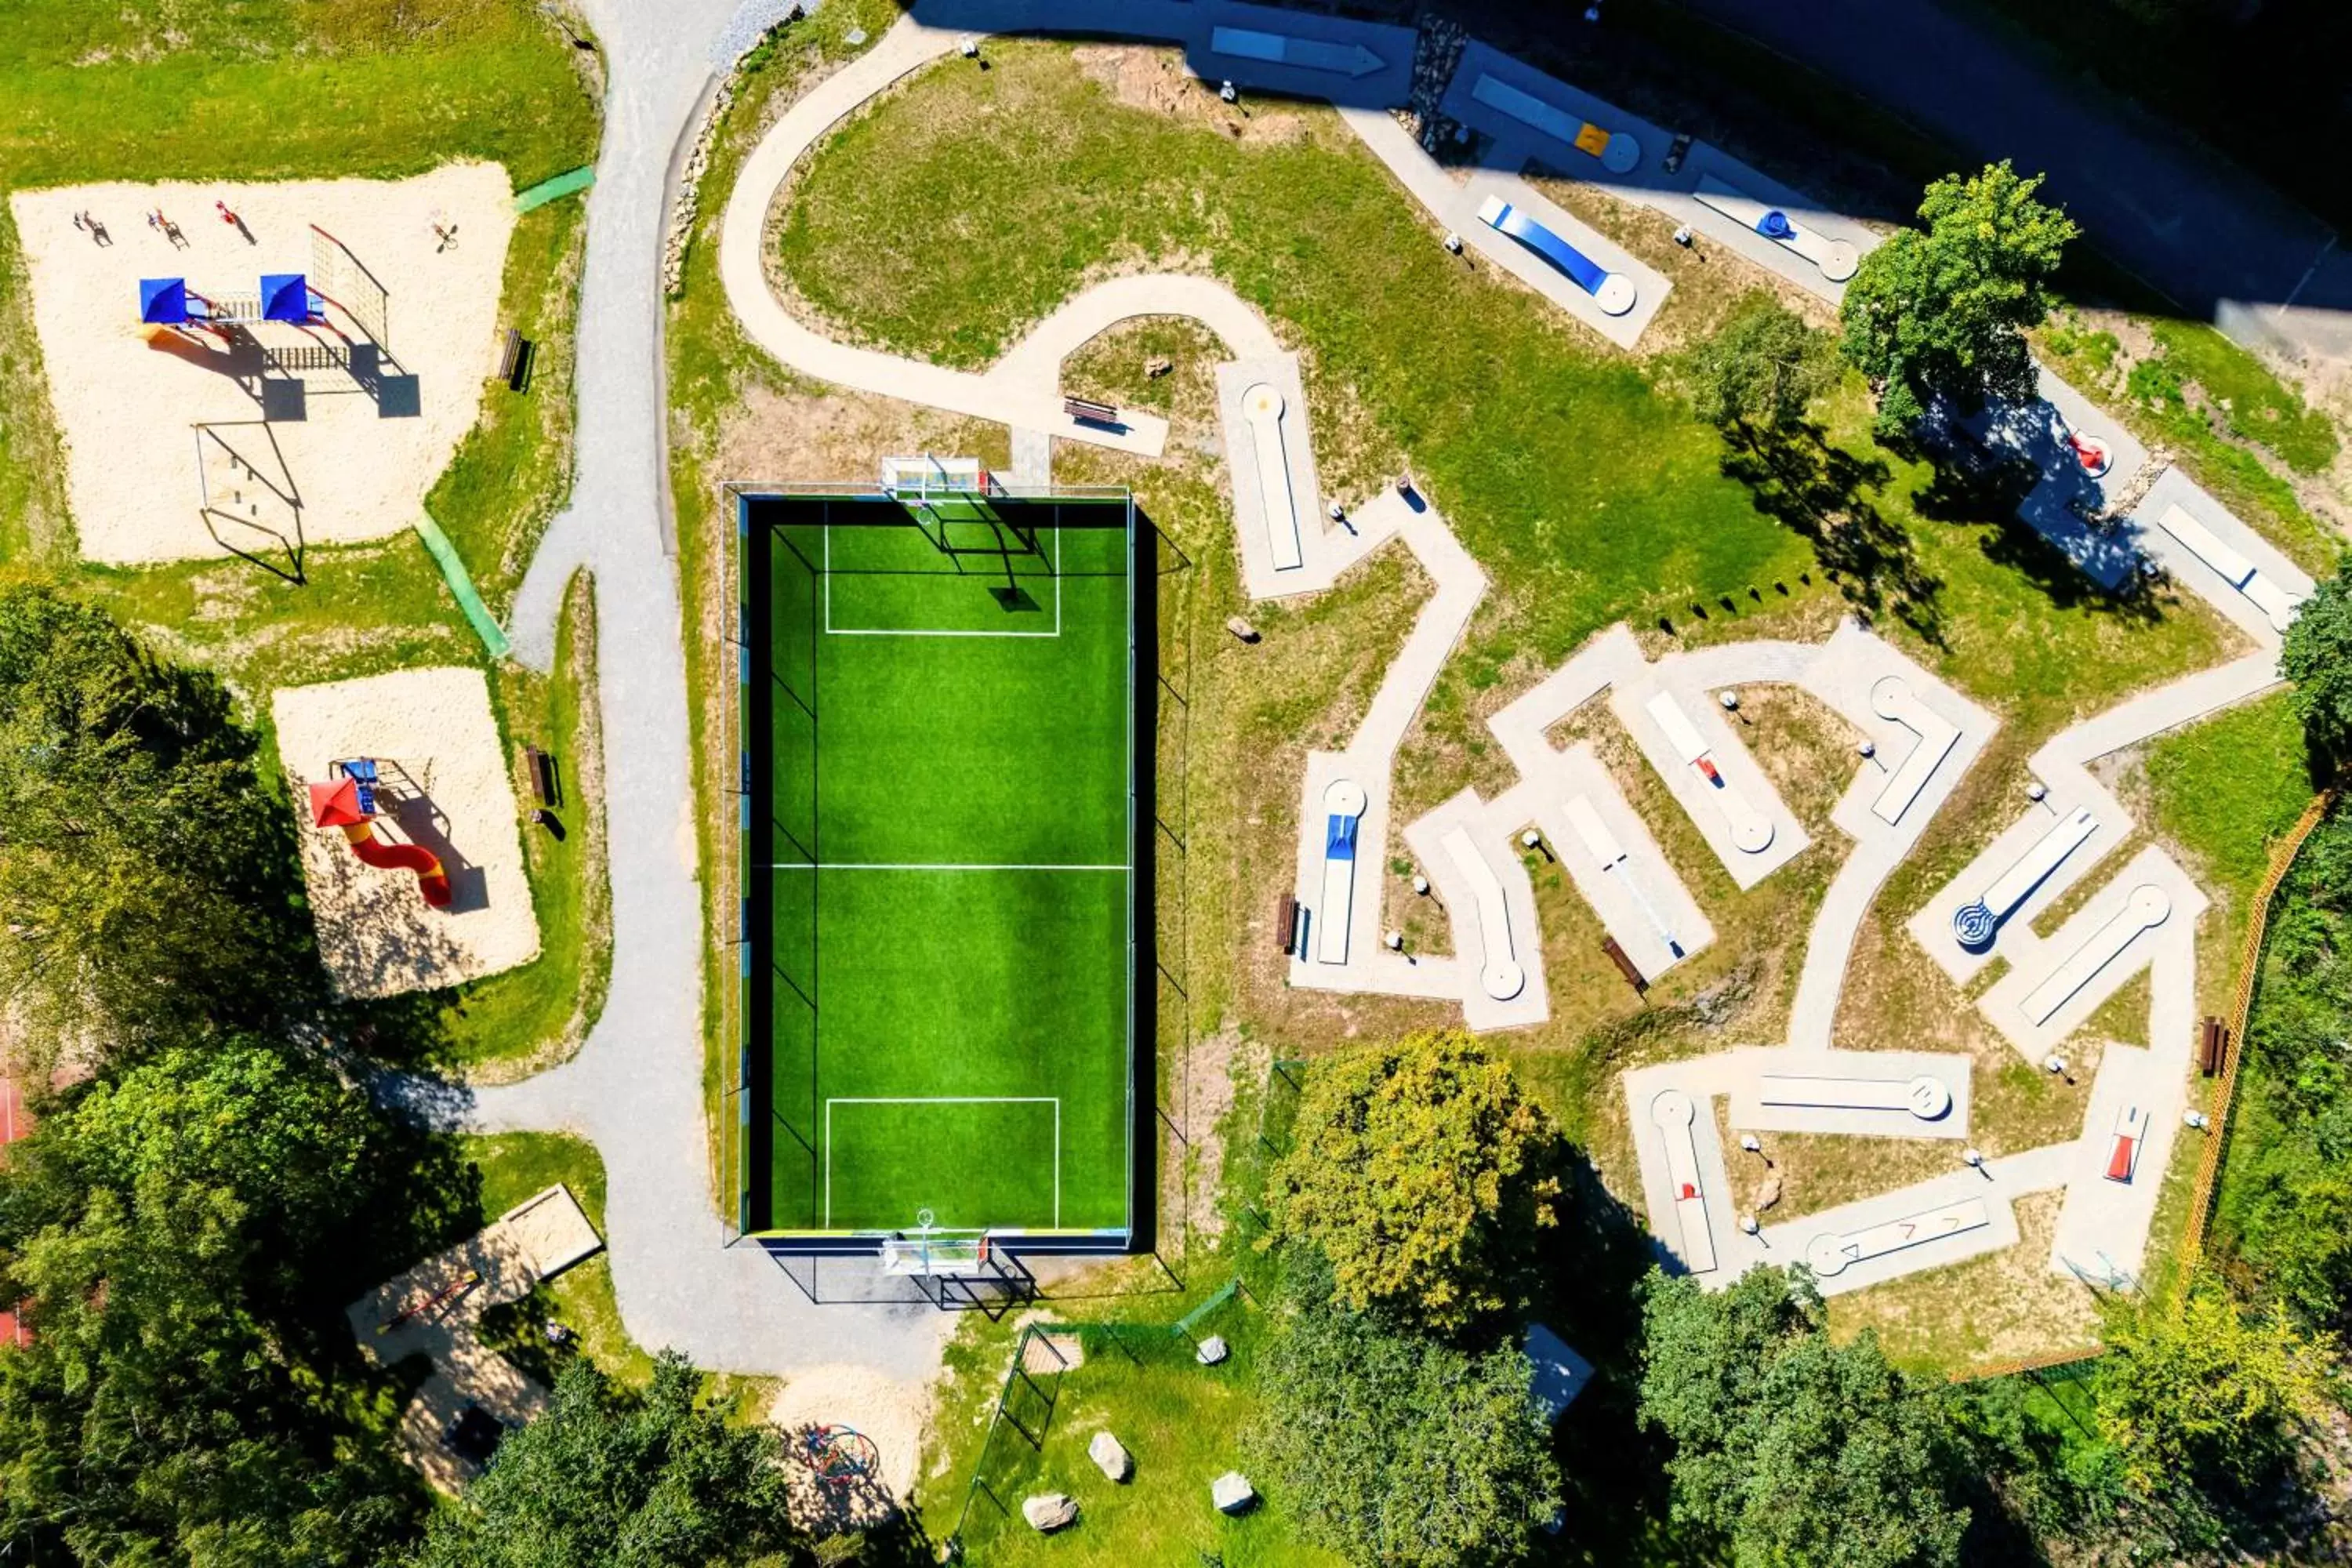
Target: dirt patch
{"points": [[326, 432], [2000, 1306], [889, 1412], [803, 434], [1206, 1078], [1155, 81]]}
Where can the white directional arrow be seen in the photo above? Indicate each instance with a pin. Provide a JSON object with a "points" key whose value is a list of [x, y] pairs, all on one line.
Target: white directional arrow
{"points": [[1283, 49]]}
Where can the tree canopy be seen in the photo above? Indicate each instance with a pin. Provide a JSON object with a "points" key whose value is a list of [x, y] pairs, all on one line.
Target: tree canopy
{"points": [[2317, 659], [179, 1232], [611, 1476], [1762, 368], [1403, 1450], [1793, 1449], [150, 881], [2207, 1393], [1424, 1175], [1942, 310]]}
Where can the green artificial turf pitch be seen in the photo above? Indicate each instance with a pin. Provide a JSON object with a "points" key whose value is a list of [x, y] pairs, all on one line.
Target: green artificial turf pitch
{"points": [[941, 890]]}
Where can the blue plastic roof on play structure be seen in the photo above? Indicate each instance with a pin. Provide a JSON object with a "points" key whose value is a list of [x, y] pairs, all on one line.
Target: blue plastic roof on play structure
{"points": [[286, 296], [164, 301], [1581, 269]]}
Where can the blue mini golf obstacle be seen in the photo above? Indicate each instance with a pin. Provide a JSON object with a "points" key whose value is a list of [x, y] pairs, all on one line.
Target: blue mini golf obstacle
{"points": [[1612, 292]]}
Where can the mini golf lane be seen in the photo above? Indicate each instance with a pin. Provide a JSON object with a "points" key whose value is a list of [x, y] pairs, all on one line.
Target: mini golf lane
{"points": [[1891, 699], [1977, 922], [1500, 972], [1751, 830], [1837, 259], [2145, 910], [1262, 409], [1674, 1115], [1343, 804], [1831, 1254]]}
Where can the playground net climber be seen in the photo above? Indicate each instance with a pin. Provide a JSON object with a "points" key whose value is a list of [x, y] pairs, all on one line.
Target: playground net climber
{"points": [[348, 801]]}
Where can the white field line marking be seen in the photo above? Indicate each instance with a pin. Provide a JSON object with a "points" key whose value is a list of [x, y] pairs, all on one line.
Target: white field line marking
{"points": [[832, 630], [919, 866], [1053, 1099]]}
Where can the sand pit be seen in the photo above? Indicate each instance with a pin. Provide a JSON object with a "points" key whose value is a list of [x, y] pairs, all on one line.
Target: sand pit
{"points": [[889, 1411], [448, 788], [306, 452]]}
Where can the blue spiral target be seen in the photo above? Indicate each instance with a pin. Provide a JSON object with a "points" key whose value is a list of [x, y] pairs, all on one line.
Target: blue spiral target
{"points": [[1973, 924]]}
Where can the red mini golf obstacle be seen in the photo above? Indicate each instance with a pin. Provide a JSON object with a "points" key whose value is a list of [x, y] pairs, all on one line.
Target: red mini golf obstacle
{"points": [[348, 801]]}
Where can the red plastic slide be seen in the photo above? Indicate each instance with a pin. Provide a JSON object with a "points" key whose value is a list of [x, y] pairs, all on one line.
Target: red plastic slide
{"points": [[431, 880]]}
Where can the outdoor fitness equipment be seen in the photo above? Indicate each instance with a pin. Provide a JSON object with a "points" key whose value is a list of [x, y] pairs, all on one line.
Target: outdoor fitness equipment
{"points": [[348, 801]]}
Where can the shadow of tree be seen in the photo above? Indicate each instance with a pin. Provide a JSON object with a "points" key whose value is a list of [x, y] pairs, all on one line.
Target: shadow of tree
{"points": [[1796, 476]]}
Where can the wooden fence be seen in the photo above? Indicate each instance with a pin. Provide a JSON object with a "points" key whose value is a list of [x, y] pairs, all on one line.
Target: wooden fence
{"points": [[2250, 964]]}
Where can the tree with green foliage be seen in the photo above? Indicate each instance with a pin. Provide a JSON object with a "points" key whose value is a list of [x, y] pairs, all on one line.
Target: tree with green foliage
{"points": [[1424, 1175], [611, 1476], [1399, 1449], [181, 1236], [1942, 311], [148, 880], [2317, 657], [2206, 1394], [1791, 1448], [1761, 369]]}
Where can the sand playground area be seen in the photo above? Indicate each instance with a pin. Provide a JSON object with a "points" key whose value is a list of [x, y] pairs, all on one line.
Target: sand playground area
{"points": [[446, 786], [264, 436], [888, 1411], [434, 1309]]}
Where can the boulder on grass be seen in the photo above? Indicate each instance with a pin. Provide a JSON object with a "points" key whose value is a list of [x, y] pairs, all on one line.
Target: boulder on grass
{"points": [[1211, 1350], [1111, 1457], [1232, 1492], [1049, 1511]]}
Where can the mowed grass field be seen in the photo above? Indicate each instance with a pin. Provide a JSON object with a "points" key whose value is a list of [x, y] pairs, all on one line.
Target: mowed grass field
{"points": [[945, 884]]}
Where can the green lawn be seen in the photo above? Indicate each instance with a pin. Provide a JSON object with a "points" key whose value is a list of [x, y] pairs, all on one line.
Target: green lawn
{"points": [[309, 88], [943, 897], [514, 1166], [2228, 788], [1179, 1420]]}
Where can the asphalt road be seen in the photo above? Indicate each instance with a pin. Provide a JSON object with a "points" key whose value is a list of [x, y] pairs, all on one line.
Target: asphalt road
{"points": [[2223, 245]]}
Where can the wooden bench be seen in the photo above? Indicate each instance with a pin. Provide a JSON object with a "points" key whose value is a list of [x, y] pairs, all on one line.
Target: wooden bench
{"points": [[1625, 966], [546, 778], [1087, 411], [1286, 923], [515, 359], [2212, 1035]]}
